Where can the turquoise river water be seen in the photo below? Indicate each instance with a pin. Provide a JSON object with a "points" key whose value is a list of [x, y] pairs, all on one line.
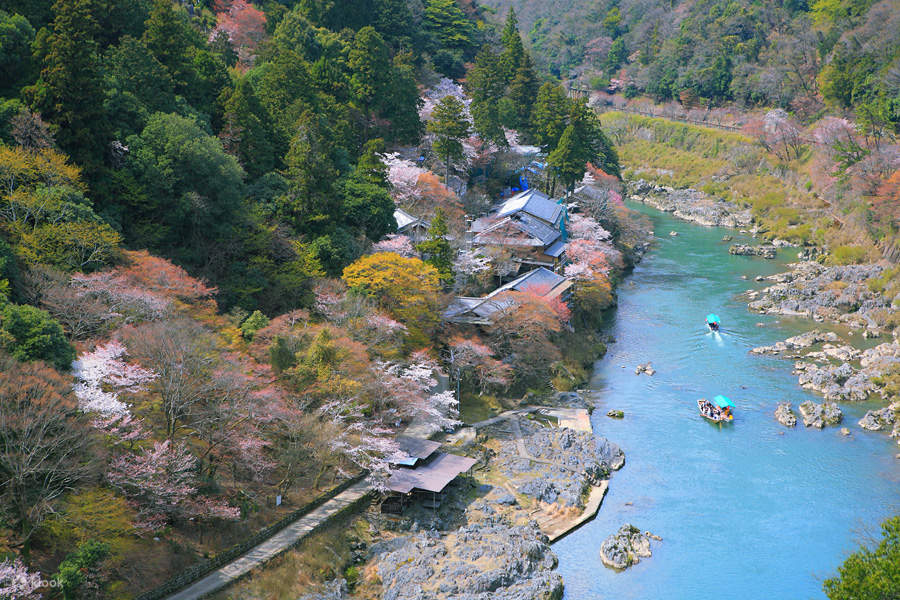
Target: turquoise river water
{"points": [[749, 510]]}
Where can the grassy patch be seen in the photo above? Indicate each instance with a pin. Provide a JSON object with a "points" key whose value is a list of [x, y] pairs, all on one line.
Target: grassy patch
{"points": [[323, 555], [474, 408], [724, 165]]}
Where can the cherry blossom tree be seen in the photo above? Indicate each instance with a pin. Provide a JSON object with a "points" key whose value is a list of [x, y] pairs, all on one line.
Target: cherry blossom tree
{"points": [[243, 23], [122, 429], [840, 140], [17, 582], [587, 259], [102, 375], [475, 361], [160, 481], [403, 176], [446, 87], [396, 243], [585, 228], [124, 300]]}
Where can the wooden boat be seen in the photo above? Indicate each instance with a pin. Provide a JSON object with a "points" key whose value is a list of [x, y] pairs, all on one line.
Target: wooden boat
{"points": [[717, 411]]}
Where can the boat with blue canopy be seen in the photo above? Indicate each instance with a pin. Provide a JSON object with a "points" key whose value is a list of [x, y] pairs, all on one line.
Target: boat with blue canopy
{"points": [[712, 321], [720, 410]]}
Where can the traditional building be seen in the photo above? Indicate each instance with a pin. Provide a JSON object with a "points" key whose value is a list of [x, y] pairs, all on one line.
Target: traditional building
{"points": [[421, 471], [480, 311], [530, 225], [415, 229]]}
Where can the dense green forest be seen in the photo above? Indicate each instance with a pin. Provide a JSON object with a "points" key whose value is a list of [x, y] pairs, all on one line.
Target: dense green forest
{"points": [[801, 55], [232, 148]]}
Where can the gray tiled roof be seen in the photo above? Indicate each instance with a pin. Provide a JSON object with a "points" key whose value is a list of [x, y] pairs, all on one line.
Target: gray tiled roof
{"points": [[433, 476], [537, 278], [535, 203], [556, 249], [537, 228]]}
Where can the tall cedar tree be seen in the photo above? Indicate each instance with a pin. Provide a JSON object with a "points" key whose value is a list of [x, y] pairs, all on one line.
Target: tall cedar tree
{"points": [[370, 68], [484, 84], [436, 249], [247, 132], [549, 115], [450, 127], [522, 91], [513, 49], [69, 92]]}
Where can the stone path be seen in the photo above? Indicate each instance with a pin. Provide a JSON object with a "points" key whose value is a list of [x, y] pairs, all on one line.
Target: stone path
{"points": [[273, 546]]}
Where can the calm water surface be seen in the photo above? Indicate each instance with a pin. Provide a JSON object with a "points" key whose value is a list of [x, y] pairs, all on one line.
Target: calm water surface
{"points": [[749, 510]]}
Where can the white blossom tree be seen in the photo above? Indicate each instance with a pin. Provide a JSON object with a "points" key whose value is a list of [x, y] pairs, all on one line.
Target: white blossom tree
{"points": [[17, 582], [102, 375]]}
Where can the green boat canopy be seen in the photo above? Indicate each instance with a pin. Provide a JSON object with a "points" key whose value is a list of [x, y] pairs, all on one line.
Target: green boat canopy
{"points": [[712, 318], [722, 402]]}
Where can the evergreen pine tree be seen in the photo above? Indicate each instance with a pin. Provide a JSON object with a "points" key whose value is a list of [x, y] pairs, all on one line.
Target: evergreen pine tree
{"points": [[69, 92], [484, 84], [513, 49], [450, 127], [523, 92], [436, 249]]}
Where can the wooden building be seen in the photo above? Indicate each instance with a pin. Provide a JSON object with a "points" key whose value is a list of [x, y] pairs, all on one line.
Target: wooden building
{"points": [[421, 472]]}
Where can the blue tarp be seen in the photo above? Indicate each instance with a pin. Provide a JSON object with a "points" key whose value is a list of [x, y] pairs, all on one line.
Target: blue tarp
{"points": [[712, 318], [722, 402]]}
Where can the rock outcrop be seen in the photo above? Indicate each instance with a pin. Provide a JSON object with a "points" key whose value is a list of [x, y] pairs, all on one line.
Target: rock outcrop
{"points": [[625, 547], [644, 368], [881, 419], [785, 415], [482, 561], [570, 461], [798, 342], [839, 294], [820, 415], [769, 252], [837, 383], [690, 205]]}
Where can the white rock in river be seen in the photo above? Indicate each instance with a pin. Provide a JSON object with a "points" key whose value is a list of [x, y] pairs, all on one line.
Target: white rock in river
{"points": [[820, 415], [625, 547], [784, 414]]}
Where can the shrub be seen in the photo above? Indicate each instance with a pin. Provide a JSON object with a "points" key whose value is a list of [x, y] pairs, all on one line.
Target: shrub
{"points": [[847, 255], [253, 323], [28, 333]]}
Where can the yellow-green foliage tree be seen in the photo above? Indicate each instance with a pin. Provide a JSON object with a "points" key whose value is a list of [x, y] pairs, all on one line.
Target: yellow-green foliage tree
{"points": [[45, 214], [406, 287]]}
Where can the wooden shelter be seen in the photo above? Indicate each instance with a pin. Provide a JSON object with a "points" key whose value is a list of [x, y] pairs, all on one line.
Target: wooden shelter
{"points": [[421, 471]]}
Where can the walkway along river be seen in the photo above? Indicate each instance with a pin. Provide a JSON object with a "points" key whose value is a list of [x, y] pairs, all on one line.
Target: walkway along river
{"points": [[749, 510]]}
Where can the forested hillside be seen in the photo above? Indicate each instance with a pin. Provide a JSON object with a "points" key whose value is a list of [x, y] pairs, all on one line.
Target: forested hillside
{"points": [[224, 135], [204, 301], [803, 56]]}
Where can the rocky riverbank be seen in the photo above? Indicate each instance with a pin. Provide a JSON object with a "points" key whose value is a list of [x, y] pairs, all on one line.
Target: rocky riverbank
{"points": [[838, 294], [690, 205], [489, 537]]}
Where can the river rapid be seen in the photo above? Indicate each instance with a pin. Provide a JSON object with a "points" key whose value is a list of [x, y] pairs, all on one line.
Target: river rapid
{"points": [[749, 510]]}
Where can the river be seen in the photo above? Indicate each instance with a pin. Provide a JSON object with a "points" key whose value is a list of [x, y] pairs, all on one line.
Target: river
{"points": [[749, 510]]}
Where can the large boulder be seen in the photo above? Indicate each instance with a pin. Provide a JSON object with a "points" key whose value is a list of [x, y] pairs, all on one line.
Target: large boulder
{"points": [[820, 415], [784, 414], [625, 547]]}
